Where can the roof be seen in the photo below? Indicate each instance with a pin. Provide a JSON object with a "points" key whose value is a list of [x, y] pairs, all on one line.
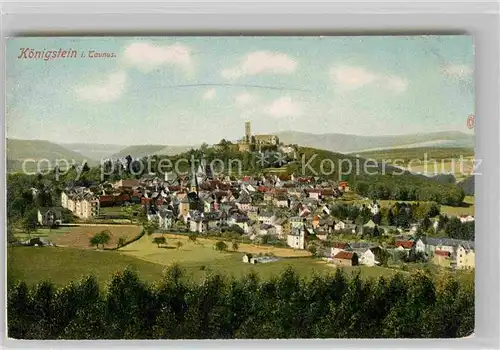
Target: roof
{"points": [[344, 255], [281, 221], [128, 182], [340, 245], [404, 244], [450, 242], [442, 253], [356, 245], [45, 210]]}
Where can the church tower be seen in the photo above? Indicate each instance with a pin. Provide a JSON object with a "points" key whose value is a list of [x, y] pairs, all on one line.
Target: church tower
{"points": [[248, 133]]}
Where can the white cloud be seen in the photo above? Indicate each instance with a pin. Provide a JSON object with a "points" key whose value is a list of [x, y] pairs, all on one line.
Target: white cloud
{"points": [[209, 94], [396, 84], [245, 99], [283, 107], [458, 70], [147, 56], [108, 89], [261, 62], [352, 78]]}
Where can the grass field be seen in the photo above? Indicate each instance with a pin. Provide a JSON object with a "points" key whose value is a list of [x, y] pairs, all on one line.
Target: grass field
{"points": [[79, 236], [115, 211], [62, 265], [467, 209], [65, 264]]}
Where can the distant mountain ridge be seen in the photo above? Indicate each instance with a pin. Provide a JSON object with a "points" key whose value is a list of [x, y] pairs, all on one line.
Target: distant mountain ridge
{"points": [[93, 150], [345, 143], [17, 151], [139, 151]]}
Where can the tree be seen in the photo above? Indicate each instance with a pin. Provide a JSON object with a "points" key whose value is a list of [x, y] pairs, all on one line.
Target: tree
{"points": [[95, 241], [426, 223], [413, 305], [159, 241], [235, 245], [237, 229], [101, 238], [312, 249], [221, 246], [178, 244], [10, 233], [121, 242], [30, 222], [151, 226]]}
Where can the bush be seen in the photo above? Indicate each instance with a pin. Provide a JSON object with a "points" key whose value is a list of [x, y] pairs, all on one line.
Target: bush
{"points": [[221, 246], [159, 241]]}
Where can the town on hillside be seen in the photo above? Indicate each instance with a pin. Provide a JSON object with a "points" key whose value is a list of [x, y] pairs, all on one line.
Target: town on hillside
{"points": [[303, 213]]}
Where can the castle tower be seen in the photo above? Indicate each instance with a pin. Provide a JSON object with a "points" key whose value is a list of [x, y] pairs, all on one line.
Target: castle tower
{"points": [[248, 133]]}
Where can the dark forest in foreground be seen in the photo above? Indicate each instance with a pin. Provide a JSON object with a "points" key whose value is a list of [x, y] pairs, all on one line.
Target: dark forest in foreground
{"points": [[335, 306]]}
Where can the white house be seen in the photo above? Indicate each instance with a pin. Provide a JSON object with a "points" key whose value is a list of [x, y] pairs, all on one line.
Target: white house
{"points": [[466, 218], [367, 258], [296, 238], [464, 258], [419, 246], [374, 208], [246, 258], [267, 218], [266, 229], [314, 193], [242, 222], [345, 225], [280, 201], [196, 225]]}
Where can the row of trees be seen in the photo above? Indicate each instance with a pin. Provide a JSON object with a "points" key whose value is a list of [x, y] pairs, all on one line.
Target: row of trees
{"points": [[454, 228], [409, 188], [335, 306], [400, 214]]}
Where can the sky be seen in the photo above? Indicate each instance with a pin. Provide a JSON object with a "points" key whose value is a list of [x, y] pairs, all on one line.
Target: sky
{"points": [[189, 90]]}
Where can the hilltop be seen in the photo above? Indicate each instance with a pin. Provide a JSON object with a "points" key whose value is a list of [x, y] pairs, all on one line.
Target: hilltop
{"points": [[94, 150], [406, 154], [346, 143], [19, 150], [139, 151]]}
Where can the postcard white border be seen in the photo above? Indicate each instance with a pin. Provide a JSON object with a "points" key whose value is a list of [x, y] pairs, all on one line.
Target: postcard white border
{"points": [[480, 19]]}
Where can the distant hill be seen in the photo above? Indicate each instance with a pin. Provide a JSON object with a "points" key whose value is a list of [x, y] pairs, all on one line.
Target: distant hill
{"points": [[467, 185], [93, 150], [407, 154], [345, 143], [20, 150], [139, 151]]}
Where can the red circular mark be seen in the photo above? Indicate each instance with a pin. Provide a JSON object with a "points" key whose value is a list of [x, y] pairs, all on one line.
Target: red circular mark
{"points": [[471, 122]]}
